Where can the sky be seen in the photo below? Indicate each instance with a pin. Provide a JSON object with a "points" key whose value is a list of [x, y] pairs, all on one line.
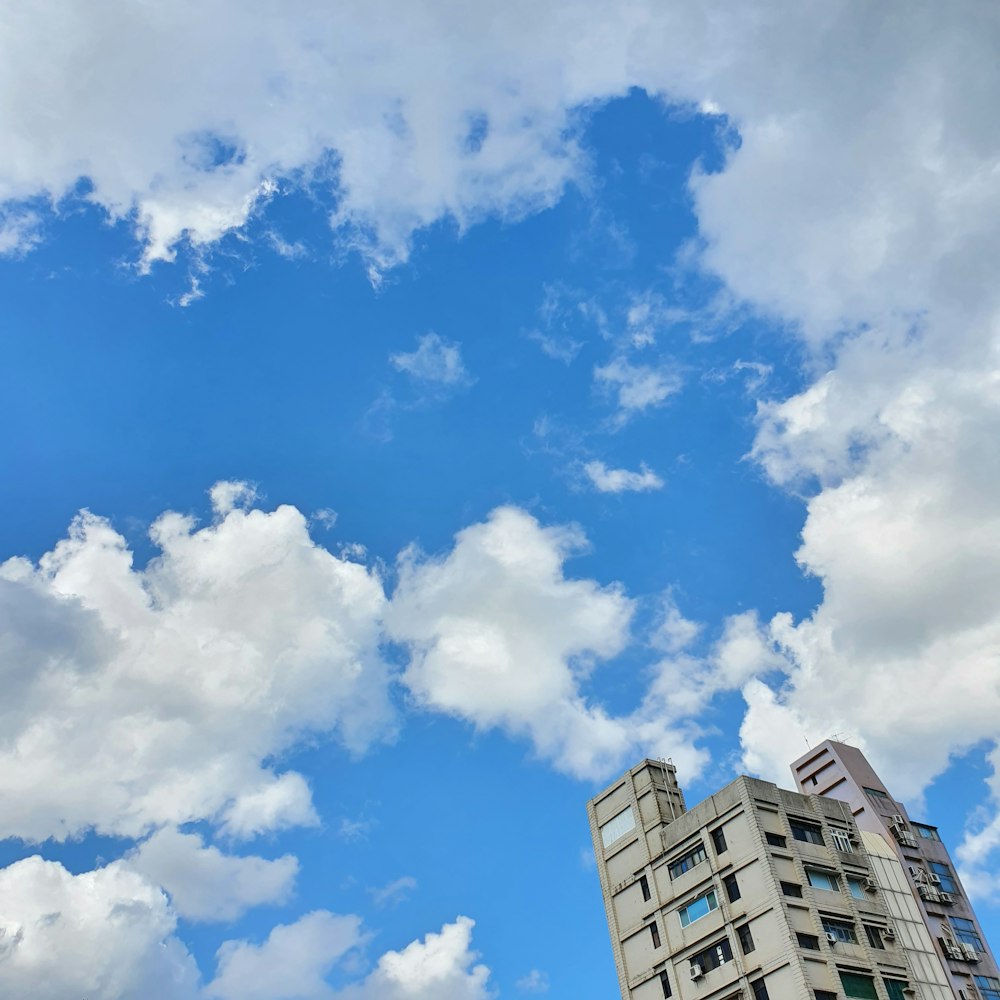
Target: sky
{"points": [[415, 414]]}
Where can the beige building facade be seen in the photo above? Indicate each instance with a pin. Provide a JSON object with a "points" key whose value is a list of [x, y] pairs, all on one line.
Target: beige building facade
{"points": [[756, 892]]}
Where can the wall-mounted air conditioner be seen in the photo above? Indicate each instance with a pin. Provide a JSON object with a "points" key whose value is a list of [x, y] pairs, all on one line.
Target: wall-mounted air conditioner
{"points": [[871, 884], [696, 971], [831, 937]]}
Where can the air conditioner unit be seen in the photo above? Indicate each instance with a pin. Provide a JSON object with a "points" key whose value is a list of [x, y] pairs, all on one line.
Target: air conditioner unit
{"points": [[889, 934], [853, 836], [696, 971], [831, 937], [954, 952], [928, 893], [934, 879], [969, 952], [946, 897], [871, 884], [918, 874], [898, 820]]}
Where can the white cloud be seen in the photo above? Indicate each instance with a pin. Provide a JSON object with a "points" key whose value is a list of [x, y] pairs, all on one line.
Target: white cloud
{"points": [[637, 388], [500, 636], [20, 231], [622, 480], [177, 681], [292, 964], [393, 892], [204, 883], [105, 934], [534, 982], [434, 361]]}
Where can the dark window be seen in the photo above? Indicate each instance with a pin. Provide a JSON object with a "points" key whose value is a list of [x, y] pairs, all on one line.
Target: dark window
{"points": [[759, 990], [841, 930], [989, 986], [809, 941], [665, 985], [895, 987], [824, 995], [644, 886], [927, 832], [775, 839], [791, 889], [654, 933], [746, 939], [808, 832], [946, 875], [687, 861], [711, 958], [877, 795], [965, 930], [874, 935], [857, 985], [732, 888], [719, 840]]}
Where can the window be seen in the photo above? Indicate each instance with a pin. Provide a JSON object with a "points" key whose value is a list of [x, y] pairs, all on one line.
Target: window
{"points": [[877, 795], [746, 939], [807, 832], [989, 987], [842, 930], [857, 985], [874, 935], [841, 840], [791, 889], [809, 941], [644, 886], [946, 875], [965, 930], [687, 862], [617, 827], [895, 987], [856, 887], [927, 832], [711, 958], [822, 880], [701, 907], [824, 995], [654, 933], [665, 985], [775, 839], [760, 990], [719, 840], [732, 888]]}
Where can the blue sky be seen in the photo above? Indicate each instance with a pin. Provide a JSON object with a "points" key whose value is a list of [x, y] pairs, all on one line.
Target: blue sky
{"points": [[463, 405]]}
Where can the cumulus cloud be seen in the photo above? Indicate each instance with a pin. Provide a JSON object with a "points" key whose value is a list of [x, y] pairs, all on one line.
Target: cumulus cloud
{"points": [[435, 361], [636, 388], [177, 681], [204, 883], [607, 480], [500, 636]]}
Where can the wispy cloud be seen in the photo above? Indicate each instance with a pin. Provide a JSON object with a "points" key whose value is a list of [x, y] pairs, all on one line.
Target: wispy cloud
{"points": [[436, 361], [637, 387], [607, 480], [393, 893]]}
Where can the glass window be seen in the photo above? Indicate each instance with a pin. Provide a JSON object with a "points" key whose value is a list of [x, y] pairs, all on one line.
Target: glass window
{"points": [[841, 840], [687, 861], [746, 939], [711, 958], [617, 827], [965, 930], [895, 987], [824, 995], [946, 875], [874, 935], [775, 839], [644, 886], [857, 887], [809, 941], [842, 930], [807, 832], [927, 832], [665, 985], [732, 888], [822, 880], [791, 889], [701, 907], [654, 933], [989, 987], [760, 990], [878, 795], [719, 840], [857, 985]]}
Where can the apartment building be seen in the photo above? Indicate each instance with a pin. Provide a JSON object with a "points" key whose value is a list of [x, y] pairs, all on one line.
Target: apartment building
{"points": [[838, 771], [757, 893]]}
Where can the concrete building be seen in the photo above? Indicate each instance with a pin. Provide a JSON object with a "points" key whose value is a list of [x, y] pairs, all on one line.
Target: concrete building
{"points": [[838, 771], [756, 893]]}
